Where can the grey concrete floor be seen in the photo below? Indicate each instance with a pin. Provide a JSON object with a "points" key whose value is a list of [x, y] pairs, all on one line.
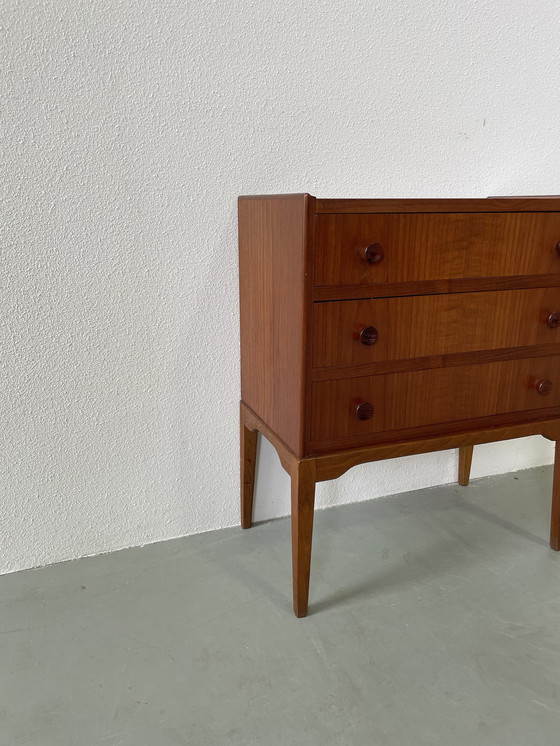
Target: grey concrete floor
{"points": [[434, 619]]}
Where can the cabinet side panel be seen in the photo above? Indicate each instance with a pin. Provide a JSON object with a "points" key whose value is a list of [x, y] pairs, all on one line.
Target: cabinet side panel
{"points": [[274, 312]]}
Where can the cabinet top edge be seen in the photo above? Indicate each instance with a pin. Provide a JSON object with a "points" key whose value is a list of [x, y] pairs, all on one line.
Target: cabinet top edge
{"points": [[298, 195], [488, 204], [543, 203]]}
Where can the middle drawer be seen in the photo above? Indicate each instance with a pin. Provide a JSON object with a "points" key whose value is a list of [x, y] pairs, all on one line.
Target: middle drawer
{"points": [[353, 332]]}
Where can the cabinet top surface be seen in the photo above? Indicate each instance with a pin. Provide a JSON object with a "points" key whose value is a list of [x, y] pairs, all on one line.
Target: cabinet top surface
{"points": [[489, 204]]}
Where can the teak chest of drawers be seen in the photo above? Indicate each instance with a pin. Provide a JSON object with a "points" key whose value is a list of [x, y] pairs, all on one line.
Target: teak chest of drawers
{"points": [[372, 329]]}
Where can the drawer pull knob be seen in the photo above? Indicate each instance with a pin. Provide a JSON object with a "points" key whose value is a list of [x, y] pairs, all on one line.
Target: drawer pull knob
{"points": [[364, 411], [374, 253], [554, 320], [544, 387], [558, 248], [369, 335]]}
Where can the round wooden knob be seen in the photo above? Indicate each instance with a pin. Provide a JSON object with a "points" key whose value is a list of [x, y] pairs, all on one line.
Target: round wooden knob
{"points": [[369, 335], [364, 411], [544, 386], [374, 253], [554, 320]]}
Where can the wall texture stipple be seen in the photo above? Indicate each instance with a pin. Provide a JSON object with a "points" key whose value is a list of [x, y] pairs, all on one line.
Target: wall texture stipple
{"points": [[128, 130]]}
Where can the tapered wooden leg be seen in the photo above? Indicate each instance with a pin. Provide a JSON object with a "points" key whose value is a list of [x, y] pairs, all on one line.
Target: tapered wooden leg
{"points": [[465, 460], [303, 504], [248, 462], [555, 520]]}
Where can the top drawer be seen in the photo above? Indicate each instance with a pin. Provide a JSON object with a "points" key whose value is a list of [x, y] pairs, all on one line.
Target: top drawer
{"points": [[433, 246]]}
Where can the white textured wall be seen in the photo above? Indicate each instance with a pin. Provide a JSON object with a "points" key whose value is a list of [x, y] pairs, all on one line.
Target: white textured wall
{"points": [[128, 130]]}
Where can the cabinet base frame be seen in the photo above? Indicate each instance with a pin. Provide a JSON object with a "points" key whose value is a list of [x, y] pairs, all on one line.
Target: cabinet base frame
{"points": [[306, 472]]}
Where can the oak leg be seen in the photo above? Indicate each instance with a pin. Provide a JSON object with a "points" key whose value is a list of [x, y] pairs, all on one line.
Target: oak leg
{"points": [[465, 460], [248, 462], [303, 504], [555, 520]]}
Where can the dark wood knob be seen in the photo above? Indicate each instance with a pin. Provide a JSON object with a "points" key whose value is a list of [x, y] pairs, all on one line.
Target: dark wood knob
{"points": [[554, 320], [364, 411], [558, 248], [374, 253], [369, 335], [544, 386]]}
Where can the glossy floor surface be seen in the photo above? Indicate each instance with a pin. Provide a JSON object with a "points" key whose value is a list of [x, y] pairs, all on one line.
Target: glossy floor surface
{"points": [[434, 619]]}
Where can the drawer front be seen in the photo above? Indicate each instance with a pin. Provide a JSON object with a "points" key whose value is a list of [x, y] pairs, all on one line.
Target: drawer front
{"points": [[425, 397], [369, 331], [393, 248]]}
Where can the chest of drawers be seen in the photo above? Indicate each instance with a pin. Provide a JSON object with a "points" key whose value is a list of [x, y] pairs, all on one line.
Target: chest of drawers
{"points": [[372, 329]]}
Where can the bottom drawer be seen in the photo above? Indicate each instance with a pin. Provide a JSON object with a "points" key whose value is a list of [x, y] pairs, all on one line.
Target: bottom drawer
{"points": [[399, 401]]}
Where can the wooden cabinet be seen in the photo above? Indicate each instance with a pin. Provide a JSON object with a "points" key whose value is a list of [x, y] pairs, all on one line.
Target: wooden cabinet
{"points": [[378, 328]]}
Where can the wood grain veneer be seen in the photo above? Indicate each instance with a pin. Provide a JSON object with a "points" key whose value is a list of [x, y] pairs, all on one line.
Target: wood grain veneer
{"points": [[374, 329], [420, 326], [274, 256], [428, 246], [429, 397]]}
